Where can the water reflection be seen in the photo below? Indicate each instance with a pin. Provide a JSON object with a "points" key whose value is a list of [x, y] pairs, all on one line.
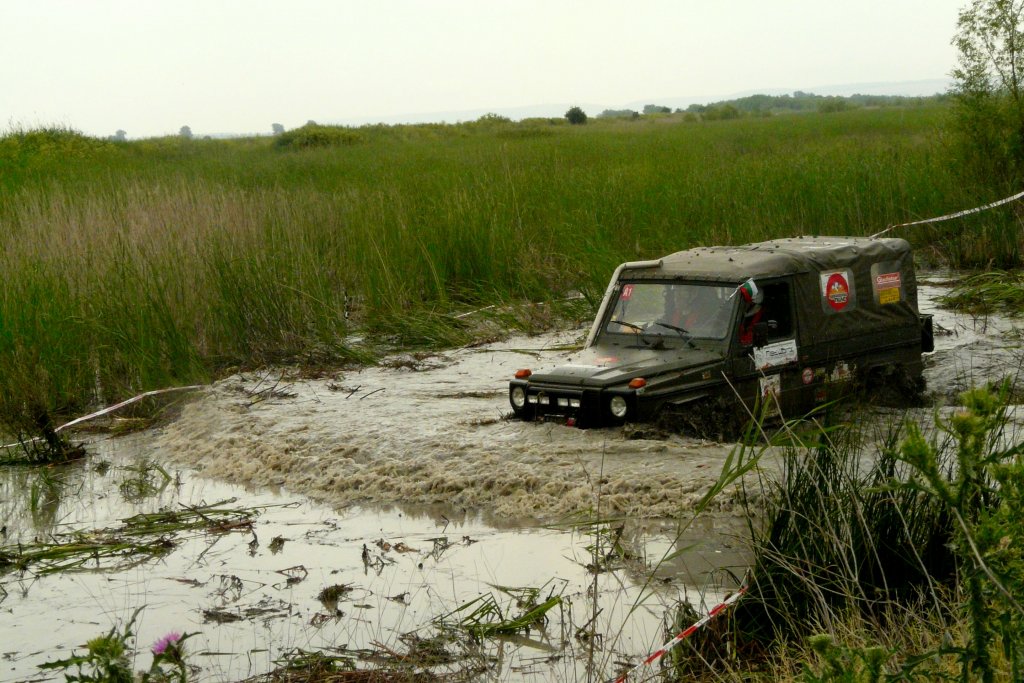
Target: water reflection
{"points": [[253, 596]]}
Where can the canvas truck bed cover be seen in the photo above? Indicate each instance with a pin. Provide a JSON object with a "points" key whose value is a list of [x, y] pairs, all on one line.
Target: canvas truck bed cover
{"points": [[843, 286]]}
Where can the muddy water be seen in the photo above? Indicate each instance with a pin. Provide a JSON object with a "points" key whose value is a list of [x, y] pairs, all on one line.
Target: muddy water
{"points": [[969, 349], [431, 431], [410, 452], [252, 596]]}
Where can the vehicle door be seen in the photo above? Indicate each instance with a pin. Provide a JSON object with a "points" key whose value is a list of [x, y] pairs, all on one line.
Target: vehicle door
{"points": [[766, 351]]}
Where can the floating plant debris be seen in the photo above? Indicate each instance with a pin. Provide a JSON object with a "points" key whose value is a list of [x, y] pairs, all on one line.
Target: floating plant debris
{"points": [[138, 538]]}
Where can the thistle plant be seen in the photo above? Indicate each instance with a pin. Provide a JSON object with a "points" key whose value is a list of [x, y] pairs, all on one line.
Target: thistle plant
{"points": [[107, 659], [168, 659], [984, 491]]}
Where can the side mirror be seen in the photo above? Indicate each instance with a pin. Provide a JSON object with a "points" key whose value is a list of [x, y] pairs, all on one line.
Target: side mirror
{"points": [[760, 334]]}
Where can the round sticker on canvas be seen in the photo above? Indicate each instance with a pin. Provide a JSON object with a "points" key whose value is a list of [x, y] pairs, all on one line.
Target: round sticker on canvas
{"points": [[837, 291], [808, 375]]}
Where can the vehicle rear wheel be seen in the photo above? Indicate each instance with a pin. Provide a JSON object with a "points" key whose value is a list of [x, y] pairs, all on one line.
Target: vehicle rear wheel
{"points": [[893, 386]]}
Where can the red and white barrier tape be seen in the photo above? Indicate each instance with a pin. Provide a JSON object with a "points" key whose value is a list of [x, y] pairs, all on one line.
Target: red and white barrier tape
{"points": [[116, 406], [683, 635], [951, 216]]}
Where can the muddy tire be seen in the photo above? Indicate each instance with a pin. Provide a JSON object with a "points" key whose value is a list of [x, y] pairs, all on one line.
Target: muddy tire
{"points": [[892, 386], [715, 419], [527, 414]]}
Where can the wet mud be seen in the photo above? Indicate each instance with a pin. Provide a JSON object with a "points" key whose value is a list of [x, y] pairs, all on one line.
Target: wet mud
{"points": [[436, 434]]}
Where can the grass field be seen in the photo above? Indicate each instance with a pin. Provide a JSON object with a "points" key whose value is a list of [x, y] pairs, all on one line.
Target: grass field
{"points": [[129, 266]]}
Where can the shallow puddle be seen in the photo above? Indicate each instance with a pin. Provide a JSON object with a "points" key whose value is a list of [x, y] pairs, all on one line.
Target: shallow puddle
{"points": [[252, 596]]}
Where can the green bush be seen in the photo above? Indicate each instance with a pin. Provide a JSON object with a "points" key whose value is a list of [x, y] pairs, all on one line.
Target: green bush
{"points": [[314, 135], [848, 554], [576, 116]]}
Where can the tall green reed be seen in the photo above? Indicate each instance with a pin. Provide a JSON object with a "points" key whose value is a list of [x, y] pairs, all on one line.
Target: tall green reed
{"points": [[162, 261]]}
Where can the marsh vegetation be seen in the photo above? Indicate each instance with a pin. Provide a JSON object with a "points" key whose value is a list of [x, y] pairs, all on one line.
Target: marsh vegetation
{"points": [[136, 265], [132, 266]]}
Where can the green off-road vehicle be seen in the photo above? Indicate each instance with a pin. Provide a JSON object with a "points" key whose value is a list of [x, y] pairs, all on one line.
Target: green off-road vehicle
{"points": [[706, 334]]}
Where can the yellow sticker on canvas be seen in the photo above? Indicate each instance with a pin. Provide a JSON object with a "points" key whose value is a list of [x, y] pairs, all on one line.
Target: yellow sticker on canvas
{"points": [[889, 296]]}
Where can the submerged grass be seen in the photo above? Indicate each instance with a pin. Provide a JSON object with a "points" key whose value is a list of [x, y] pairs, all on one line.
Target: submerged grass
{"points": [[341, 666], [990, 292], [137, 265], [484, 617], [138, 539]]}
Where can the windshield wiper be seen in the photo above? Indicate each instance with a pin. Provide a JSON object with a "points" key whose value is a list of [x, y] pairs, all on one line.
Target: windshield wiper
{"points": [[684, 333], [681, 331], [633, 326]]}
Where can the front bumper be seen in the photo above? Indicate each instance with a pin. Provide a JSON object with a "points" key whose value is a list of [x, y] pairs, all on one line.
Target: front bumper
{"points": [[579, 406]]}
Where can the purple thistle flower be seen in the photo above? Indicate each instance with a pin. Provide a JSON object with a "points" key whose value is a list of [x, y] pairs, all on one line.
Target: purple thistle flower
{"points": [[161, 645]]}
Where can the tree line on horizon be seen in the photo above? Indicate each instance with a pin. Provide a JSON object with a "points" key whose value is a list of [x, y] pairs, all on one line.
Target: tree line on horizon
{"points": [[768, 105]]}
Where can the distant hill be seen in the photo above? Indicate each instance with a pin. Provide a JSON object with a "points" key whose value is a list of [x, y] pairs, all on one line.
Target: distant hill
{"points": [[557, 109], [768, 105], [902, 88]]}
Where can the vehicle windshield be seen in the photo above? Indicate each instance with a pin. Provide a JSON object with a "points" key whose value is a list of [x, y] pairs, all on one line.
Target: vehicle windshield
{"points": [[659, 309]]}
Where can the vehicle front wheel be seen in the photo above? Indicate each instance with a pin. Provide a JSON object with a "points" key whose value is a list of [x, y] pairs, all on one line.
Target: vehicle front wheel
{"points": [[715, 419]]}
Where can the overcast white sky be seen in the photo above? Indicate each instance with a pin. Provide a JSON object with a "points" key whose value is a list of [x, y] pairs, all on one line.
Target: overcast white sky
{"points": [[221, 66]]}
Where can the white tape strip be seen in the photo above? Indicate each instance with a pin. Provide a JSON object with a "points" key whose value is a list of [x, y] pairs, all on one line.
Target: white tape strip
{"points": [[122, 404], [110, 409], [951, 216]]}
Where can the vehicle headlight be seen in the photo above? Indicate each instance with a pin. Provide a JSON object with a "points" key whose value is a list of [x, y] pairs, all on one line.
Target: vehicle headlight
{"points": [[618, 406], [518, 397]]}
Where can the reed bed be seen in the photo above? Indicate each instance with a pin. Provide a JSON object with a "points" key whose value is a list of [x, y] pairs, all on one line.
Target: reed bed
{"points": [[130, 266]]}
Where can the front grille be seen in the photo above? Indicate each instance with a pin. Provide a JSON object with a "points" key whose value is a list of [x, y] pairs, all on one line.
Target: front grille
{"points": [[555, 402]]}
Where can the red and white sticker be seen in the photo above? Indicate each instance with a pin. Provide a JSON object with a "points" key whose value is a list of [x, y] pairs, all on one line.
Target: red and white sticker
{"points": [[887, 281], [836, 288], [808, 375], [887, 287], [627, 292]]}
